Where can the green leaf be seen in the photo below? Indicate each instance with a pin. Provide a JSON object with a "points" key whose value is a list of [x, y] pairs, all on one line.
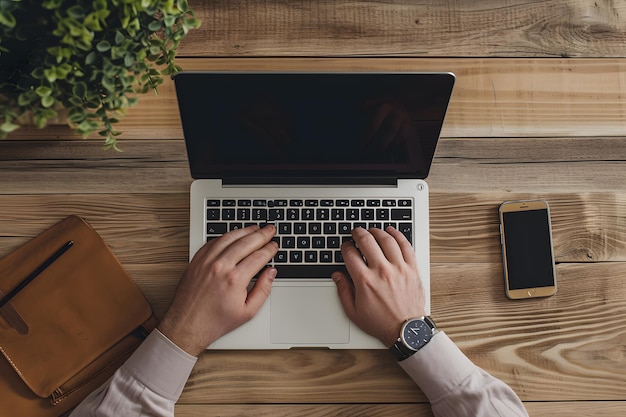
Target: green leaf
{"points": [[119, 37], [76, 11], [79, 89], [154, 26], [90, 58], [43, 91], [7, 19], [47, 101], [8, 127], [129, 59], [103, 46]]}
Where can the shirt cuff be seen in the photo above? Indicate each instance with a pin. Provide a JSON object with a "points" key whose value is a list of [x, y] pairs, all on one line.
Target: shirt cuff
{"points": [[161, 365], [439, 367]]}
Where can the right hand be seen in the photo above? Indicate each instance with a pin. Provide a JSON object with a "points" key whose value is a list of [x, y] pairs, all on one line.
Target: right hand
{"points": [[385, 289]]}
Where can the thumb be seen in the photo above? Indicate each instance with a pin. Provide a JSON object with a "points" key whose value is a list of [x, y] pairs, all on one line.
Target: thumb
{"points": [[345, 289], [261, 290]]}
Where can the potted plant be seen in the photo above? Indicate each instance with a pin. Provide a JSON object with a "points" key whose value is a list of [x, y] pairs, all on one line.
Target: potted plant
{"points": [[87, 58]]}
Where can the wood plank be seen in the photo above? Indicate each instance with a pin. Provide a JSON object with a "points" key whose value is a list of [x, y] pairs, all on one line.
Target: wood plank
{"points": [[509, 97], [146, 229], [553, 28], [309, 410], [525, 165], [567, 347], [553, 409]]}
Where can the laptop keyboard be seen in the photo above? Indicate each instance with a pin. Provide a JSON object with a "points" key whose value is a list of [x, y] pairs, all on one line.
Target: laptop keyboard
{"points": [[309, 231]]}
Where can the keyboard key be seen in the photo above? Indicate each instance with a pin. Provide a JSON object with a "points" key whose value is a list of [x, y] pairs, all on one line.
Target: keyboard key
{"points": [[357, 203], [315, 228], [373, 203], [318, 242], [308, 271], [228, 214], [389, 203], [367, 214], [244, 203], [289, 242], [405, 203], [333, 242], [311, 203], [277, 214], [326, 256], [352, 214], [293, 214], [213, 214], [259, 214], [235, 226], [296, 203], [280, 203], [243, 214], [382, 214], [281, 256], [284, 228], [259, 203], [308, 214], [401, 214], [330, 228], [327, 203], [295, 256], [343, 203], [213, 203], [216, 228], [337, 214], [303, 242], [229, 203], [322, 214], [407, 230], [299, 228], [344, 228], [310, 256]]}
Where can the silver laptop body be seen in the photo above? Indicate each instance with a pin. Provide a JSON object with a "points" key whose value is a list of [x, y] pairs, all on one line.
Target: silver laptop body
{"points": [[316, 154]]}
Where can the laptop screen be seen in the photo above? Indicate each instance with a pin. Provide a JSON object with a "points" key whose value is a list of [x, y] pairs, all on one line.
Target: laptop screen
{"points": [[281, 125]]}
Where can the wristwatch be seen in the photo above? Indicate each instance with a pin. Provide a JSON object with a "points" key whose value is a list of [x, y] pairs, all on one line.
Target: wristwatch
{"points": [[414, 335]]}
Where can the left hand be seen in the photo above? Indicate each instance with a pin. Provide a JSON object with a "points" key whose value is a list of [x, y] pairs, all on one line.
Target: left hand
{"points": [[212, 297]]}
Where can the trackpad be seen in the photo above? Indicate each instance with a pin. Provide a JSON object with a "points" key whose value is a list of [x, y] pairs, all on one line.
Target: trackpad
{"points": [[308, 315]]}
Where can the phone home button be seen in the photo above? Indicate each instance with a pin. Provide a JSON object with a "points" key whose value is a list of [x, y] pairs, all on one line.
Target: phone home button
{"points": [[531, 292]]}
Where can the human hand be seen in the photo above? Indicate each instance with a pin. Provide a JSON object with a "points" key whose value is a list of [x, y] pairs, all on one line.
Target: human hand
{"points": [[212, 297], [385, 289]]}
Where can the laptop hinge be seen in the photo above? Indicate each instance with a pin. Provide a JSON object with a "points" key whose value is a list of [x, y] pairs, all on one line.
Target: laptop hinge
{"points": [[328, 181]]}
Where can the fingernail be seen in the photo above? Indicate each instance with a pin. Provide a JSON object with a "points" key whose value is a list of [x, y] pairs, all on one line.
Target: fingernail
{"points": [[272, 274]]}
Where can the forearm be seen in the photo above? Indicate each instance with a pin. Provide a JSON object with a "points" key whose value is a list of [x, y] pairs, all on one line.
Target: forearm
{"points": [[456, 387], [148, 384]]}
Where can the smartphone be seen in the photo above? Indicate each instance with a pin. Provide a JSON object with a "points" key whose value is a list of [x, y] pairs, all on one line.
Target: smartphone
{"points": [[528, 257]]}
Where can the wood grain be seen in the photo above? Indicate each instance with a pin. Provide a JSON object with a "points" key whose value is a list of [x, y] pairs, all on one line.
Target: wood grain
{"points": [[482, 165], [553, 28], [492, 97], [559, 409]]}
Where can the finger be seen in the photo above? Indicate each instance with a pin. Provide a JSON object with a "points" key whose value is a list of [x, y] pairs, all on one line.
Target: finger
{"points": [[217, 246], [246, 245], [389, 245], [407, 250], [368, 246], [260, 291], [251, 264], [345, 290], [353, 259]]}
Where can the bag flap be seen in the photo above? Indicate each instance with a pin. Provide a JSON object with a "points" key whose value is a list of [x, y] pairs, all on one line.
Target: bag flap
{"points": [[74, 310]]}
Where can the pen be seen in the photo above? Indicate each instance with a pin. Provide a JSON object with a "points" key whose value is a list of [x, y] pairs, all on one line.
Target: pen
{"points": [[36, 272]]}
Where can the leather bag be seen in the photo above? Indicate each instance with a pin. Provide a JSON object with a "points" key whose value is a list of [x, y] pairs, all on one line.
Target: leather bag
{"points": [[66, 331]]}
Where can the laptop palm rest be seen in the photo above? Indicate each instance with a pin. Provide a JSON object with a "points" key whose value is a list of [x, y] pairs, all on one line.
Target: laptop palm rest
{"points": [[301, 315]]}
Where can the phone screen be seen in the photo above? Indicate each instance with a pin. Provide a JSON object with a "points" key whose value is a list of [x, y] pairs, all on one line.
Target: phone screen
{"points": [[529, 260]]}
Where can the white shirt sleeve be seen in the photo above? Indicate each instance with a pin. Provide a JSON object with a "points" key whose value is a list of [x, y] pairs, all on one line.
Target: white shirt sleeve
{"points": [[455, 386], [148, 384]]}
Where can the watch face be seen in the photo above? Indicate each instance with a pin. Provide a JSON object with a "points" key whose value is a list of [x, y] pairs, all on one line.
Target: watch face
{"points": [[416, 334]]}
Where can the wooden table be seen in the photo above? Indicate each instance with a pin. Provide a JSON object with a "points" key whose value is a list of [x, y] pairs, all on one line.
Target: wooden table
{"points": [[539, 111]]}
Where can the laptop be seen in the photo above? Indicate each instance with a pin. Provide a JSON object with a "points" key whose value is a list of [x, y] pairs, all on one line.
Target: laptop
{"points": [[317, 154]]}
